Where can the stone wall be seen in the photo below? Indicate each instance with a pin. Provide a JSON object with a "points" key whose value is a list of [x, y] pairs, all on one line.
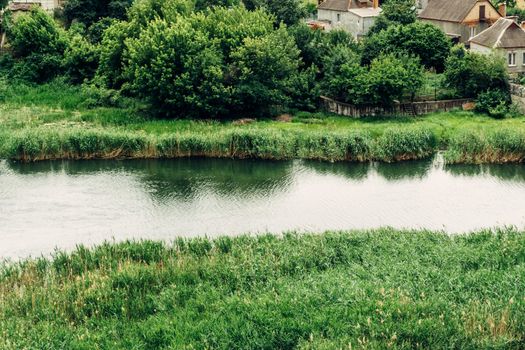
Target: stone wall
{"points": [[517, 93], [403, 109]]}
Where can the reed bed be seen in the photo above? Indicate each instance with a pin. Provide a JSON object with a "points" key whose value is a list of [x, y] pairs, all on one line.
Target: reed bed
{"points": [[361, 290], [98, 143], [490, 146]]}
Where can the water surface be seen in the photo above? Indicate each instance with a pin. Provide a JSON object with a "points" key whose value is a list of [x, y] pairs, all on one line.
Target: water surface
{"points": [[50, 205]]}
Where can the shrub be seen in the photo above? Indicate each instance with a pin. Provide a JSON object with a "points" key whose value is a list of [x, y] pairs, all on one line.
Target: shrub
{"points": [[81, 59], [37, 43], [494, 102]]}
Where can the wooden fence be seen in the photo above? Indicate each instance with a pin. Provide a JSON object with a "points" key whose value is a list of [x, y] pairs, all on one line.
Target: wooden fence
{"points": [[399, 109]]}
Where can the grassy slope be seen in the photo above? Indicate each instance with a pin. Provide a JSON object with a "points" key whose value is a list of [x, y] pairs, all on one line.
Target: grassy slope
{"points": [[34, 121], [379, 289]]}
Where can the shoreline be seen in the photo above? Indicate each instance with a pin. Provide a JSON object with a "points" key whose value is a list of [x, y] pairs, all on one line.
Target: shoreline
{"points": [[395, 144]]}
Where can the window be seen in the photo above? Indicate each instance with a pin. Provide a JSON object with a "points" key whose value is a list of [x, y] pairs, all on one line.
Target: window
{"points": [[338, 17], [472, 31], [523, 61], [482, 12], [512, 58]]}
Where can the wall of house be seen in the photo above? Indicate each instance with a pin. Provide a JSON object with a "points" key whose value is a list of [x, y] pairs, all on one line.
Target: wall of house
{"points": [[463, 30], [490, 13], [519, 67], [48, 5], [348, 21]]}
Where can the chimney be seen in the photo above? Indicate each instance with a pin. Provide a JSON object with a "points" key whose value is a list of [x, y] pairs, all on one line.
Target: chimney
{"points": [[376, 4], [522, 25], [502, 9]]}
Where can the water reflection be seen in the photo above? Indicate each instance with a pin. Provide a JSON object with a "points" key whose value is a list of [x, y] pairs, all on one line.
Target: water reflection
{"points": [[61, 204], [506, 172], [183, 178]]}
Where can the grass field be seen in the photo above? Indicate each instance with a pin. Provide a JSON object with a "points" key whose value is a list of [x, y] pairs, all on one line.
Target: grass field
{"points": [[338, 290], [55, 121]]}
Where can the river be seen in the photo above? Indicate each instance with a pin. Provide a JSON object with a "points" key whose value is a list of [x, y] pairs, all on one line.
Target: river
{"points": [[59, 204]]}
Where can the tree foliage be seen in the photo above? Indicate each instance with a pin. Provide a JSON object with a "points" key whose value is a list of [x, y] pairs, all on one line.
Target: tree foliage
{"points": [[225, 61], [424, 40], [37, 44], [91, 11], [395, 12], [287, 11], [470, 73]]}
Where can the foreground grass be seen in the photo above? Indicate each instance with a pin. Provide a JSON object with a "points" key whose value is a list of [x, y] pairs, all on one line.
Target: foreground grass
{"points": [[377, 289], [53, 121]]}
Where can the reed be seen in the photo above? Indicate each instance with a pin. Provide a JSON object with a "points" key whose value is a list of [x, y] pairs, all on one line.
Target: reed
{"points": [[80, 143], [359, 289], [495, 146]]}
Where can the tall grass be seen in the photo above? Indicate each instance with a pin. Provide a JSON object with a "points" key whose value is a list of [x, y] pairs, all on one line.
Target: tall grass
{"points": [[374, 290], [80, 143], [494, 146]]}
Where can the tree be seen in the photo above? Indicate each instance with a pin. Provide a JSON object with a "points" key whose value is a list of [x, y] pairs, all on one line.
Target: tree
{"points": [[218, 63], [289, 12], [37, 44], [345, 79], [81, 59], [395, 12], [470, 73], [392, 76], [264, 69], [423, 40], [173, 66], [91, 11]]}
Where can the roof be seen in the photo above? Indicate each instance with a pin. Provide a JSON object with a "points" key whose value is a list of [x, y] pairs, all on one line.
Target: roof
{"points": [[366, 12], [22, 6], [505, 33], [448, 10], [342, 5]]}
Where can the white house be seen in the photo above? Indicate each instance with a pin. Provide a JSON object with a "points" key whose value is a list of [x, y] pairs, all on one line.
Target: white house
{"points": [[354, 16], [48, 5], [505, 37]]}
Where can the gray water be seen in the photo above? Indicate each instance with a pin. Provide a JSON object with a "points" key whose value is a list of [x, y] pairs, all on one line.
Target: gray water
{"points": [[51, 205]]}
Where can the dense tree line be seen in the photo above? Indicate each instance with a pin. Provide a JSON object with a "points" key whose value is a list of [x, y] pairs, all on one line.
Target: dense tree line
{"points": [[225, 58]]}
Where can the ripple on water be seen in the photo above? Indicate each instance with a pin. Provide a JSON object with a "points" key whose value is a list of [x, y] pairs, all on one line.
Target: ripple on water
{"points": [[61, 204]]}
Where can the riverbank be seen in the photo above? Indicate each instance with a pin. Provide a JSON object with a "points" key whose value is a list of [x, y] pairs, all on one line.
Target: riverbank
{"points": [[375, 289], [57, 121]]}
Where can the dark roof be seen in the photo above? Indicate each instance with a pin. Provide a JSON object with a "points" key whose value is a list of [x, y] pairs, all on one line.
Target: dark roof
{"points": [[505, 33], [342, 5], [22, 6], [447, 10]]}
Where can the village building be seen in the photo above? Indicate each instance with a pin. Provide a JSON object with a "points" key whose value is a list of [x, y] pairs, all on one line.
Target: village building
{"points": [[462, 19], [505, 37], [353, 16], [25, 5]]}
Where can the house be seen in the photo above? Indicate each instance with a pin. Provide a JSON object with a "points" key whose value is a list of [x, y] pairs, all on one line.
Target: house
{"points": [[462, 19], [354, 16], [25, 5], [505, 37]]}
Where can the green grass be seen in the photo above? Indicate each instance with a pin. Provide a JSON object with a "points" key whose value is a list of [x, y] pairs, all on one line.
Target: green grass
{"points": [[52, 121], [366, 290]]}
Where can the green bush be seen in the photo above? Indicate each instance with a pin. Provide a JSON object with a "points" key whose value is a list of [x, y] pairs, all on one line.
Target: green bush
{"points": [[495, 103], [225, 63], [81, 59], [38, 44]]}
